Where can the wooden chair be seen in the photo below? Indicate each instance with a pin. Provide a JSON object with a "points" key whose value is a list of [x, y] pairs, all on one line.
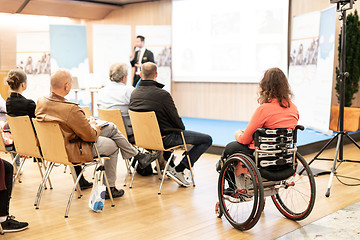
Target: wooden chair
{"points": [[87, 111], [1, 230], [147, 135], [25, 142], [114, 116], [53, 149]]}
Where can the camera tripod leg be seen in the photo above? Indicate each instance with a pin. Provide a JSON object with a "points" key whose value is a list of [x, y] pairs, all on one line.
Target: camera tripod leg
{"points": [[327, 194]]}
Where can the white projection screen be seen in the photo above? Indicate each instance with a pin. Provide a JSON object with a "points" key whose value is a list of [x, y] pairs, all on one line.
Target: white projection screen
{"points": [[228, 40]]}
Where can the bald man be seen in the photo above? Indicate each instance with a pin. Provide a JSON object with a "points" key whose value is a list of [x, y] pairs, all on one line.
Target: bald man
{"points": [[78, 131], [149, 96]]}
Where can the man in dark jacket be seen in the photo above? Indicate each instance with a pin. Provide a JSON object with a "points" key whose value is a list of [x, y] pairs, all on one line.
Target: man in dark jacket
{"points": [[149, 96]]}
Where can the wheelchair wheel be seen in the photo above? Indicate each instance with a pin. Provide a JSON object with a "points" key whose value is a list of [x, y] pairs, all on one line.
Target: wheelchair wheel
{"points": [[240, 191], [296, 199]]}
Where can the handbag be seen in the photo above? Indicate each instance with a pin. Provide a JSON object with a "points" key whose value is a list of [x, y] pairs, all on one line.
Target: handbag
{"points": [[97, 197]]}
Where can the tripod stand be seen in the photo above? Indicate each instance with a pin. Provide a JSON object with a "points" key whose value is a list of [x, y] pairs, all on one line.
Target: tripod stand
{"points": [[341, 135]]}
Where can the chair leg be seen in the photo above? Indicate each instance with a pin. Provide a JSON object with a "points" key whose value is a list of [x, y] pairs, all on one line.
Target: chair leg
{"points": [[73, 174], [93, 177], [18, 170], [128, 164], [191, 171], [158, 168], [133, 175], [164, 173], [44, 165], [188, 158], [108, 187], [76, 187], [41, 186]]}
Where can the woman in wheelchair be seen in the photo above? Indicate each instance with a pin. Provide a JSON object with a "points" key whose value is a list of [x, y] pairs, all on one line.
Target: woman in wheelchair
{"points": [[263, 161], [275, 111]]}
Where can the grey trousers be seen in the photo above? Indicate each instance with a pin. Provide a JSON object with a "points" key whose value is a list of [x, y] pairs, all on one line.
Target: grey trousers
{"points": [[109, 143]]}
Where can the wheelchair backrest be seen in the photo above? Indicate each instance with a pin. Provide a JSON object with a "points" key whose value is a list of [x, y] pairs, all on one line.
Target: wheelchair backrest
{"points": [[275, 152]]}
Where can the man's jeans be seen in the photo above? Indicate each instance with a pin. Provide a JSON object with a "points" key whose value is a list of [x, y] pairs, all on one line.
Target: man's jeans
{"points": [[200, 141]]}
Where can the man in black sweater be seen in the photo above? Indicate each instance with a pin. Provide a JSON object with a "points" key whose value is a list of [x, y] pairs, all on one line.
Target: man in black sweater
{"points": [[149, 96]]}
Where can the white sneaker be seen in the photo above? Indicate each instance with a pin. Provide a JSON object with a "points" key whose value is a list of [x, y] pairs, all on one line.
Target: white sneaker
{"points": [[178, 177]]}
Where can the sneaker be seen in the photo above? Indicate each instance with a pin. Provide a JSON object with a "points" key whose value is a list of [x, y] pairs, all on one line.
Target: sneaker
{"points": [[114, 192], [146, 159], [11, 225], [178, 177]]}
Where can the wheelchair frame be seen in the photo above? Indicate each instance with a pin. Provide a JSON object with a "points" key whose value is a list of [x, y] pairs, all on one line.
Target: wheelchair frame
{"points": [[242, 188]]}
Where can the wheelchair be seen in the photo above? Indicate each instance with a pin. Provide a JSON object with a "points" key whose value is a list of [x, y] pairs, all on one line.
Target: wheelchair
{"points": [[276, 169]]}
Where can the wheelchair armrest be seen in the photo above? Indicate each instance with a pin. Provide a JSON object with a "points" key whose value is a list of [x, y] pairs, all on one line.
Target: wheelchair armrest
{"points": [[298, 127], [256, 135]]}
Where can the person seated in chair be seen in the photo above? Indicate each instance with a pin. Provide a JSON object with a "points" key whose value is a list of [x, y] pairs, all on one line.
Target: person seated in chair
{"points": [[116, 95], [276, 110], [18, 105], [78, 131], [8, 223], [149, 96]]}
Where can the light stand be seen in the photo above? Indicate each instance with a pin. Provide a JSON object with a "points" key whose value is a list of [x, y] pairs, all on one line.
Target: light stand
{"points": [[339, 157]]}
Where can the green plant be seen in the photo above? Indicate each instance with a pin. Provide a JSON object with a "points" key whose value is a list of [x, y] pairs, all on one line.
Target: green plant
{"points": [[352, 63]]}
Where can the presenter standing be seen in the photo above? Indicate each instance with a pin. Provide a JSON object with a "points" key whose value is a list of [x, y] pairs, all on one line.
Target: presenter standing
{"points": [[140, 56]]}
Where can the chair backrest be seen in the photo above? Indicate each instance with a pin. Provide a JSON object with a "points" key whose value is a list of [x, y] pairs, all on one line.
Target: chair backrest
{"points": [[146, 130], [275, 152], [51, 142], [86, 110], [114, 116], [24, 137]]}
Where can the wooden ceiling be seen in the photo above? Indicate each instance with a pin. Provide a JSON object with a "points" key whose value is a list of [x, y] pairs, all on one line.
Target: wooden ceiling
{"points": [[83, 9]]}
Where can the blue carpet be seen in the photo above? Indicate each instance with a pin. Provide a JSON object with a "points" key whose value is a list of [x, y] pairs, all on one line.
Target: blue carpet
{"points": [[222, 131]]}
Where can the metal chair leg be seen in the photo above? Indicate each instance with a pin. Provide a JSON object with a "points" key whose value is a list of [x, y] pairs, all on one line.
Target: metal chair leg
{"points": [[164, 173], [108, 188], [18, 171], [44, 165], [41, 186], [128, 164], [133, 175], [76, 187], [188, 158], [75, 178]]}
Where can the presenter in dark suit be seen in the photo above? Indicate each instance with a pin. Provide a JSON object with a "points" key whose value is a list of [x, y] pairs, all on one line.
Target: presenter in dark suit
{"points": [[140, 56]]}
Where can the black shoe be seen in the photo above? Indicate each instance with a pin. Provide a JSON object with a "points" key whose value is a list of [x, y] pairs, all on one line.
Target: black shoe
{"points": [[11, 225], [114, 192], [146, 159], [84, 184]]}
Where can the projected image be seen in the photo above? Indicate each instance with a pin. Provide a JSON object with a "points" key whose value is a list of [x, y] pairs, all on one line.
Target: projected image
{"points": [[163, 58], [220, 24], [226, 57], [34, 63], [270, 21], [304, 52], [227, 42]]}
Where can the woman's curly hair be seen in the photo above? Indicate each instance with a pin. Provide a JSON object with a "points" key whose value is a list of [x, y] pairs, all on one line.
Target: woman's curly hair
{"points": [[274, 84]]}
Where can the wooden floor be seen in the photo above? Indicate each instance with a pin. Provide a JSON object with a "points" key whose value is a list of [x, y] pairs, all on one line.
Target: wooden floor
{"points": [[178, 213]]}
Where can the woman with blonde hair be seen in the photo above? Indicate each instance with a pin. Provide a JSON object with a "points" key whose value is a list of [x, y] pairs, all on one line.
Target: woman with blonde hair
{"points": [[275, 111]]}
